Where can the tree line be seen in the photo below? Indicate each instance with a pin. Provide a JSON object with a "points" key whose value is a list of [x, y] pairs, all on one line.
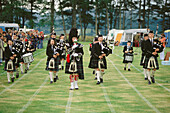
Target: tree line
{"points": [[100, 15]]}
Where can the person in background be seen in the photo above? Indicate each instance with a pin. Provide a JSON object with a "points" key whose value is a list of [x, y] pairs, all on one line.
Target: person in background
{"points": [[128, 55], [163, 41], [1, 48]]}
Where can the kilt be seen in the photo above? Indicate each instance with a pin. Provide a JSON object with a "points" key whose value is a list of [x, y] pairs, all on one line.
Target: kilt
{"points": [[80, 70], [57, 62], [5, 68], [126, 61], [95, 61], [151, 63], [142, 61]]}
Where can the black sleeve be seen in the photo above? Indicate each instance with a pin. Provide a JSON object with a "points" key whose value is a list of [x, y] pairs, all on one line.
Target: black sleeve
{"points": [[49, 53], [94, 50], [124, 49], [7, 53]]}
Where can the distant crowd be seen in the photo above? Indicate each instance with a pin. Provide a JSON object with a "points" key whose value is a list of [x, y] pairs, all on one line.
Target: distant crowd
{"points": [[36, 37]]}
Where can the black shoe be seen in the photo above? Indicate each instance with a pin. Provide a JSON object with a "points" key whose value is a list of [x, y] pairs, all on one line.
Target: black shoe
{"points": [[25, 71], [9, 82], [101, 80], [71, 89], [17, 75], [12, 79], [98, 82], [62, 67], [93, 71], [76, 88], [149, 82], [129, 70], [95, 78], [57, 78], [124, 68], [54, 79], [153, 79], [51, 82], [146, 78]]}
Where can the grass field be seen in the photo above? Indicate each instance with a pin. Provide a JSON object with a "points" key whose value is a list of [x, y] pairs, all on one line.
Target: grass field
{"points": [[121, 92]]}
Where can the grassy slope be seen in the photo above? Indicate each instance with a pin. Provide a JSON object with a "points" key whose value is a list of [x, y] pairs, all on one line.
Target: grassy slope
{"points": [[27, 92]]}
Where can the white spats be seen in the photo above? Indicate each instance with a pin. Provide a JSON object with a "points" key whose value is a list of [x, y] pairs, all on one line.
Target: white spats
{"points": [[72, 85], [98, 75], [76, 85], [21, 66], [145, 72], [62, 63], [8, 76], [51, 76], [28, 66], [149, 76], [129, 64]]}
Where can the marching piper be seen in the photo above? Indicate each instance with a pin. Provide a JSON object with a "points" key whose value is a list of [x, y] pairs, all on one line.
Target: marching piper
{"points": [[18, 50], [53, 60], [74, 64], [62, 45], [128, 55], [151, 62], [95, 40], [143, 48], [98, 59], [9, 61]]}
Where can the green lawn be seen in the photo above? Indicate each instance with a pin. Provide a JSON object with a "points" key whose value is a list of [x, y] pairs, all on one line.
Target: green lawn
{"points": [[121, 92]]}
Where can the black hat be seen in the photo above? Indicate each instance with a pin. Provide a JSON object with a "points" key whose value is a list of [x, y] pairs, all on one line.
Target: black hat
{"points": [[73, 33], [95, 39], [129, 42], [53, 33], [61, 35], [100, 36], [145, 35], [151, 31]]}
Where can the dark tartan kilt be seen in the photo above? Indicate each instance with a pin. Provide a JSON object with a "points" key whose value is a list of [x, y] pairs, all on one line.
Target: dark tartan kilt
{"points": [[80, 70], [57, 62], [5, 68], [125, 61], [94, 63], [142, 61], [146, 63]]}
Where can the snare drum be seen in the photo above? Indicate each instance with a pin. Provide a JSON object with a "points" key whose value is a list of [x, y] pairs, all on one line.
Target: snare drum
{"points": [[28, 58], [129, 58]]}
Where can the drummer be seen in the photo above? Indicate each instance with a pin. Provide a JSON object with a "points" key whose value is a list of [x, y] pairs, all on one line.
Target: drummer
{"points": [[128, 55], [23, 40], [29, 49]]}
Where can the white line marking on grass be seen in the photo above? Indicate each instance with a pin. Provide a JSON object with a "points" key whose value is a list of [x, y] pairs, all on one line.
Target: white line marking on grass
{"points": [[21, 77], [107, 97], [149, 104], [68, 106], [39, 52], [143, 73], [31, 99]]}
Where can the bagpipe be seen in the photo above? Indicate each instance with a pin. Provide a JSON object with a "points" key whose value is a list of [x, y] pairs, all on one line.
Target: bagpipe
{"points": [[74, 56]]}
